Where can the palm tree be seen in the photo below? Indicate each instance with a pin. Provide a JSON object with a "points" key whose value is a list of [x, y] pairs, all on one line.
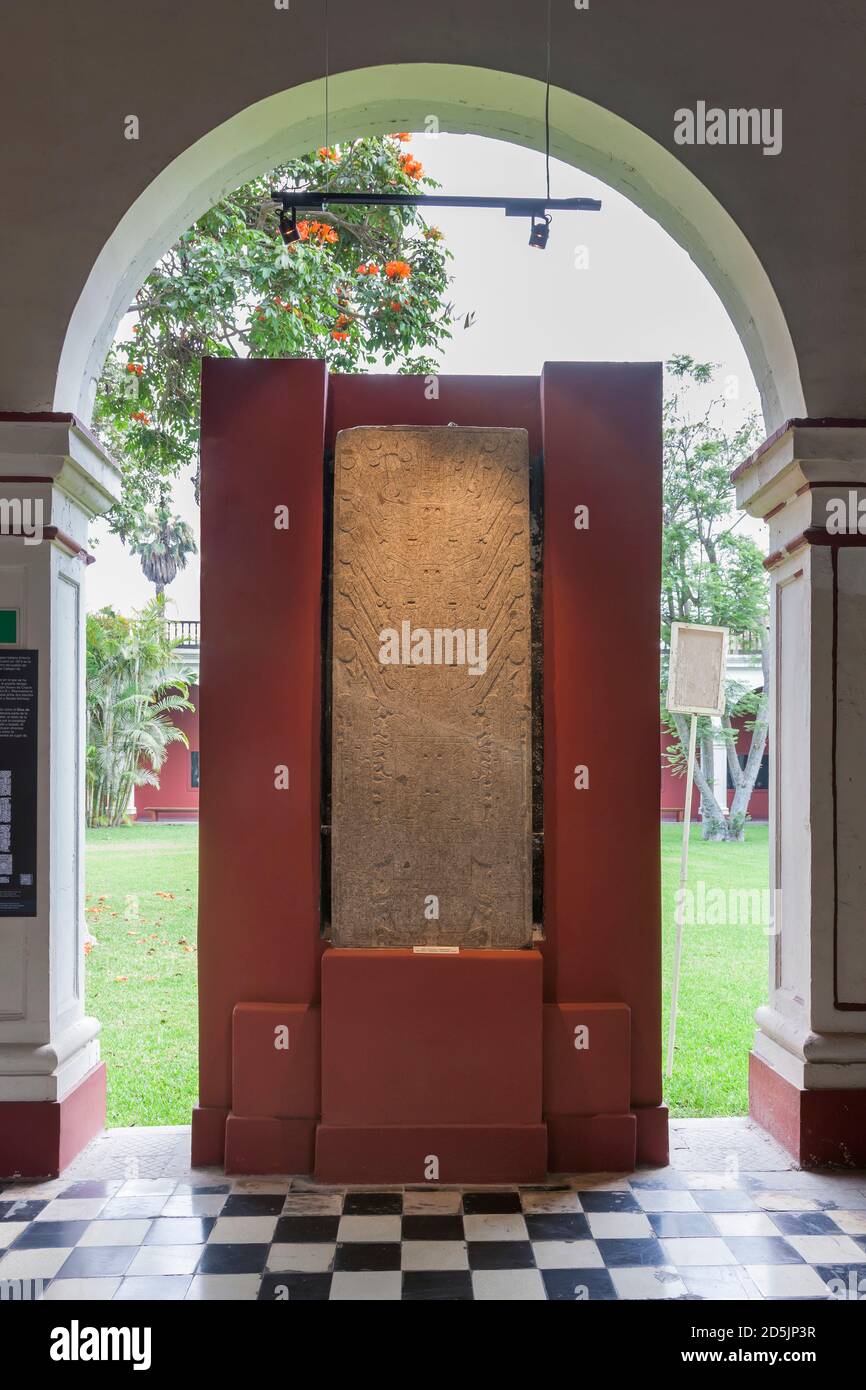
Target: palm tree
{"points": [[163, 543], [134, 686]]}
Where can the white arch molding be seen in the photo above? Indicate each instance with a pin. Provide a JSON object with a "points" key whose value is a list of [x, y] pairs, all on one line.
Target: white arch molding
{"points": [[464, 100]]}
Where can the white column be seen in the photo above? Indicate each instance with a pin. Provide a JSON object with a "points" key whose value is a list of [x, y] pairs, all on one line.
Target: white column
{"points": [[48, 1045], [812, 1033]]}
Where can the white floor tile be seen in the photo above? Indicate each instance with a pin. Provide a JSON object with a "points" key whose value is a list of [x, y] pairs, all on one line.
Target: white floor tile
{"points": [[828, 1250], [743, 1223], [33, 1264], [784, 1201], [313, 1204], [375, 1286], [786, 1281], [435, 1254], [853, 1223], [507, 1285], [187, 1204], [722, 1283], [495, 1226], [433, 1203], [567, 1254], [81, 1290], [375, 1229], [664, 1199], [165, 1259], [697, 1250], [619, 1225], [11, 1230], [243, 1230], [116, 1233], [229, 1287], [313, 1258], [550, 1203], [648, 1283], [71, 1209], [146, 1187]]}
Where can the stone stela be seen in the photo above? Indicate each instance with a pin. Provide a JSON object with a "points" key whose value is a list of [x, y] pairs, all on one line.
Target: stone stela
{"points": [[431, 696]]}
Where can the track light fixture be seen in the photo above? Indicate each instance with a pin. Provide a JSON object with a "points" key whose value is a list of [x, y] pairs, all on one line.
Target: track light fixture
{"points": [[539, 232]]}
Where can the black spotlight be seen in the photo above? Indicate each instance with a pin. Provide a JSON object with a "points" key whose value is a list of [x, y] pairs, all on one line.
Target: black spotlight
{"points": [[540, 232], [288, 227]]}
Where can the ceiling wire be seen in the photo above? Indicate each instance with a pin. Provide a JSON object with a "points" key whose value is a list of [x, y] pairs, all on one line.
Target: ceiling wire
{"points": [[546, 106]]}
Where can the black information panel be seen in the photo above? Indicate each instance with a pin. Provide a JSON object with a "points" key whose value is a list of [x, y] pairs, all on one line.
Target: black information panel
{"points": [[18, 698]]}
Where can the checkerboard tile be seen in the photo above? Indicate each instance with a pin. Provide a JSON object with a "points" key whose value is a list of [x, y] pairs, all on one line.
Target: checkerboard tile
{"points": [[656, 1235]]}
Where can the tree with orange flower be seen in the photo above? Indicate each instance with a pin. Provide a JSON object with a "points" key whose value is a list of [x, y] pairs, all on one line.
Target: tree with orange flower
{"points": [[362, 287]]}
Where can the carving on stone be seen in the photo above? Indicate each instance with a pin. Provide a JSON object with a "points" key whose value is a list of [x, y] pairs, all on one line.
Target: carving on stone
{"points": [[431, 701]]}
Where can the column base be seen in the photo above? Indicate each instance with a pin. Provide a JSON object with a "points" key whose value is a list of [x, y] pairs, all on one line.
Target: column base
{"points": [[819, 1128], [39, 1138]]}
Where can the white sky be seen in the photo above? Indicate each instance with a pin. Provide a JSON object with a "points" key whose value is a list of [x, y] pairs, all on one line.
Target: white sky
{"points": [[640, 299]]}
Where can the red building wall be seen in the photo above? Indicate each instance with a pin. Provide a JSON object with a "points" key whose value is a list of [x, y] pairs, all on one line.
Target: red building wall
{"points": [[673, 789], [175, 797]]}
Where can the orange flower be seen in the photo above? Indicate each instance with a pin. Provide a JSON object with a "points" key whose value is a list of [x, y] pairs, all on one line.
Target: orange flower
{"points": [[372, 268], [396, 305], [340, 337], [362, 270], [401, 135], [398, 270], [326, 153], [433, 234], [411, 166], [140, 416]]}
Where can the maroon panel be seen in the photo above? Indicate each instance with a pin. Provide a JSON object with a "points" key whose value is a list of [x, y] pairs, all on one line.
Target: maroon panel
{"points": [[402, 1154], [591, 1143], [653, 1142], [593, 1078], [602, 449], [820, 1128], [260, 1145], [271, 1080], [431, 1039], [262, 445], [500, 401]]}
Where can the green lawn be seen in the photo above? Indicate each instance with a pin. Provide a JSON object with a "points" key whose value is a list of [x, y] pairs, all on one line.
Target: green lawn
{"points": [[141, 976]]}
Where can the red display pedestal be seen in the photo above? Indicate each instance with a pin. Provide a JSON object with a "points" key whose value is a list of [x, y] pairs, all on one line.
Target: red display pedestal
{"points": [[39, 1138], [467, 1064]]}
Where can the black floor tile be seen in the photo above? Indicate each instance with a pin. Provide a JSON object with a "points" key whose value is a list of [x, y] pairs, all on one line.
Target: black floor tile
{"points": [[557, 1226], [253, 1204], [90, 1188], [308, 1230], [608, 1201], [725, 1199], [763, 1250], [641, 1251], [97, 1261], [500, 1254], [682, 1223], [846, 1283], [373, 1204], [43, 1235], [23, 1210], [233, 1259], [432, 1227], [356, 1256], [433, 1286], [804, 1223], [490, 1203], [578, 1285], [295, 1288]]}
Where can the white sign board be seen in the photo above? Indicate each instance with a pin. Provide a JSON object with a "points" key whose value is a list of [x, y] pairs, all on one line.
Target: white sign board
{"points": [[696, 680]]}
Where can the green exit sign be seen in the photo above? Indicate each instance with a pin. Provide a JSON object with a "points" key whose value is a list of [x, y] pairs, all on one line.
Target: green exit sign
{"points": [[8, 626]]}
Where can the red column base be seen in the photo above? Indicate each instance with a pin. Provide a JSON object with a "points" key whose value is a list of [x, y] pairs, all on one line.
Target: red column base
{"points": [[406, 1154], [208, 1136], [39, 1138], [820, 1129], [653, 1143]]}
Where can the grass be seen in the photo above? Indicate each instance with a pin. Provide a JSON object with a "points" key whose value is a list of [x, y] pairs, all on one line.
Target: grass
{"points": [[141, 976]]}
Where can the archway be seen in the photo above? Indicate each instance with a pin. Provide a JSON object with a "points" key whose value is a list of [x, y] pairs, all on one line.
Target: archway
{"points": [[468, 100]]}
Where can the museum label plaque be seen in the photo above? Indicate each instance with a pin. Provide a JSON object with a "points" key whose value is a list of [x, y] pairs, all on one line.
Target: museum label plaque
{"points": [[431, 689], [18, 715]]}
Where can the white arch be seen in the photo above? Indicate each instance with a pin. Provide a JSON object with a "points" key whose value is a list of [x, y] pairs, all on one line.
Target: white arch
{"points": [[467, 100]]}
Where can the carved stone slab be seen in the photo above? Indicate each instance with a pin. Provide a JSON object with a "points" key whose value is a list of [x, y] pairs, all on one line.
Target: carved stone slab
{"points": [[431, 708]]}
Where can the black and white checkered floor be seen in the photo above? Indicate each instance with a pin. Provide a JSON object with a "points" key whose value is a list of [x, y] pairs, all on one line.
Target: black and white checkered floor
{"points": [[660, 1234]]}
